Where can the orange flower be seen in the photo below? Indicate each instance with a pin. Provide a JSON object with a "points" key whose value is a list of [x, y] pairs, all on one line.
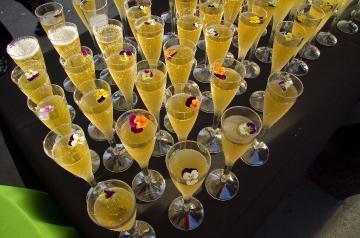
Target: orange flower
{"points": [[169, 54], [195, 103], [141, 122], [219, 70]]}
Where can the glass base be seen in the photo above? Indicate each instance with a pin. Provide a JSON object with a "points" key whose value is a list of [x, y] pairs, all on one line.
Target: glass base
{"points": [[167, 124], [207, 104], [252, 69], [148, 191], [326, 39], [230, 55], [119, 102], [95, 161], [163, 142], [168, 36], [210, 138], [141, 229], [235, 41], [222, 187], [355, 15], [95, 133], [201, 45], [264, 54], [242, 88], [257, 100], [297, 67], [99, 62], [118, 162], [257, 155], [201, 73], [106, 76], [347, 27], [72, 112], [186, 219], [68, 85], [130, 40], [166, 17], [310, 52]]}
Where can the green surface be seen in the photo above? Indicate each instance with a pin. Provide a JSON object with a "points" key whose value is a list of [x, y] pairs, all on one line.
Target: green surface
{"points": [[31, 213]]}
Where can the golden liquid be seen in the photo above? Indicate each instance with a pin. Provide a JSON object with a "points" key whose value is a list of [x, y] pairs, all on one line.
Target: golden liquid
{"points": [[234, 144], [139, 145], [120, 5], [218, 46], [223, 91], [24, 50], [297, 5], [343, 6], [248, 33], [232, 9], [110, 38], [75, 159], [187, 30], [58, 117], [185, 7], [134, 13], [277, 103], [187, 158], [283, 51], [66, 41], [211, 15], [76, 5], [152, 91], [150, 38], [182, 118], [180, 65], [37, 89], [100, 114], [81, 69], [124, 74], [328, 14], [113, 211], [283, 8], [264, 4], [51, 18]]}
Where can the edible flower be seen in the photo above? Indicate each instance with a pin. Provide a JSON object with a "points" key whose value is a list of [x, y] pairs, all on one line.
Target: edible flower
{"points": [[147, 74], [214, 5], [272, 3], [76, 139], [169, 54], [246, 129], [141, 7], [285, 84], [288, 36], [108, 193], [137, 123], [219, 72], [195, 24], [31, 75], [44, 112], [301, 18], [125, 54], [150, 22], [101, 95], [212, 32], [193, 102], [326, 6], [190, 175], [256, 20]]}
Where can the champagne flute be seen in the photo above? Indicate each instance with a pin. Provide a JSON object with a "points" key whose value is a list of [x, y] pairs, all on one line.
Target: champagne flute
{"points": [[346, 26], [186, 212], [96, 105], [232, 9], [170, 17], [281, 93], [239, 128], [50, 14], [151, 83], [121, 5], [71, 152], [112, 205], [227, 76], [135, 10], [137, 130]]}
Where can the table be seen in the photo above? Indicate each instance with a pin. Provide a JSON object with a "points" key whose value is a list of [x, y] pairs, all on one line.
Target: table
{"points": [[331, 88]]}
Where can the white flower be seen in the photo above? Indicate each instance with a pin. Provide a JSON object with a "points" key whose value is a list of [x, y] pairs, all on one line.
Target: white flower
{"points": [[44, 113], [190, 176], [77, 139]]}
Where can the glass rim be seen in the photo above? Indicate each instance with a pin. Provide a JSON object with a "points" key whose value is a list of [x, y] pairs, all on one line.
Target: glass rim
{"points": [[96, 28], [338, 3], [64, 61], [242, 66], [18, 69], [78, 93], [107, 56], [222, 23], [12, 43], [186, 40], [293, 76], [172, 86], [57, 26], [278, 26], [304, 7], [246, 108], [168, 157], [33, 106], [138, 20], [243, 14], [162, 64], [128, 189], [37, 9], [137, 4], [94, 10]]}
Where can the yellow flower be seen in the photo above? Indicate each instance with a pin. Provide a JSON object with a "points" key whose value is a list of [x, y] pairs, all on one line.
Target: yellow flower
{"points": [[255, 20], [288, 36], [101, 94], [301, 18]]}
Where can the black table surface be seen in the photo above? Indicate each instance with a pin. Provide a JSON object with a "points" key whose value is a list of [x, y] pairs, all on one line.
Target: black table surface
{"points": [[331, 88]]}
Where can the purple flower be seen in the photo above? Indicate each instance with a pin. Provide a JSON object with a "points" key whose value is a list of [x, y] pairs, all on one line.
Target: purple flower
{"points": [[189, 101], [32, 75], [126, 52], [133, 125], [108, 193], [220, 76], [252, 128]]}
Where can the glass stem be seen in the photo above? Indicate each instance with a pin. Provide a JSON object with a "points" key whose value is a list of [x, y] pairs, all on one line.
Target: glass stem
{"points": [[216, 121], [226, 173], [261, 136], [147, 176], [253, 50], [125, 27], [92, 182], [187, 204], [96, 47], [113, 147], [172, 16]]}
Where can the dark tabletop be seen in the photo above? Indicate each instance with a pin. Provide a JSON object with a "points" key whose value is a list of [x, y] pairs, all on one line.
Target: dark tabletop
{"points": [[331, 88]]}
